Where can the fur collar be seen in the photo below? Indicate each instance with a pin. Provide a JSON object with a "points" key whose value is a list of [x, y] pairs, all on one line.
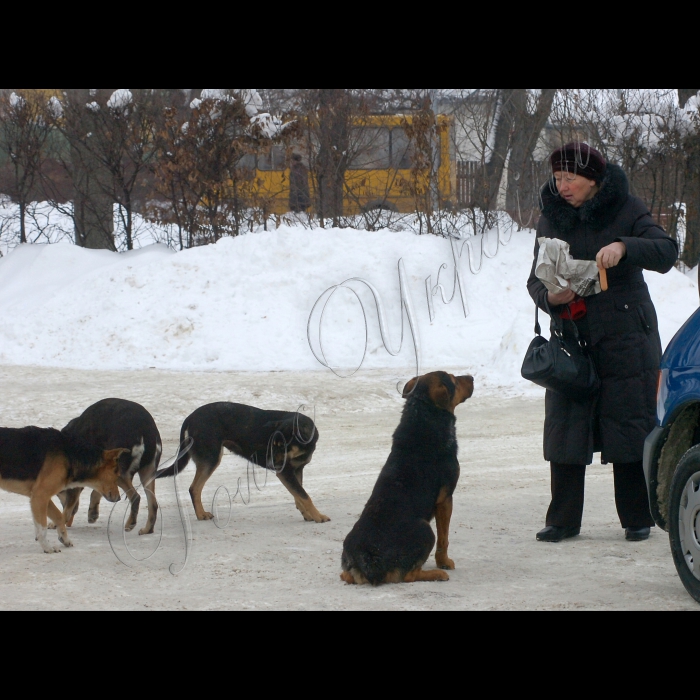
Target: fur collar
{"points": [[597, 213]]}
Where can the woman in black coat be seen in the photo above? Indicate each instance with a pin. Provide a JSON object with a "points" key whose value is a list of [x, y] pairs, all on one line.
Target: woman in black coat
{"points": [[588, 205]]}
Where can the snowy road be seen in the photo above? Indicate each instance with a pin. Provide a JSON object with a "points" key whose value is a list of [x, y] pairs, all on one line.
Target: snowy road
{"points": [[270, 559]]}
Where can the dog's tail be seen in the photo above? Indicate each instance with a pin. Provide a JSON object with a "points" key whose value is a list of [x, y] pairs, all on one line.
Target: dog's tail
{"points": [[182, 459]]}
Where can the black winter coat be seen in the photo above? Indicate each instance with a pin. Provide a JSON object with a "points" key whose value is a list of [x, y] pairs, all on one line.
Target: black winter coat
{"points": [[621, 326], [299, 191]]}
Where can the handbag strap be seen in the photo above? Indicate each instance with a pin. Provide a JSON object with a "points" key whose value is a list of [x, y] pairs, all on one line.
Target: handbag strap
{"points": [[573, 323], [559, 326]]}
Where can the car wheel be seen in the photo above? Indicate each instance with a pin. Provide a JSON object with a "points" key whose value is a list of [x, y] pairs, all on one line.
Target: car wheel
{"points": [[684, 517]]}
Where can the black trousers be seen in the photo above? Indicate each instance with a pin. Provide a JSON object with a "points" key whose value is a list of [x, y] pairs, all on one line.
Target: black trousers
{"points": [[568, 488]]}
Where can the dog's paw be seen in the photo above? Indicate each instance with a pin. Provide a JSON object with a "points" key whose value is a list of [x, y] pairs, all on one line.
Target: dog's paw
{"points": [[65, 542], [52, 526], [145, 531], [48, 549], [445, 564], [206, 516], [93, 517], [129, 527], [442, 576], [314, 516]]}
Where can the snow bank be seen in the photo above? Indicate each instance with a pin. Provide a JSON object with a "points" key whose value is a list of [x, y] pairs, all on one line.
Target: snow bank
{"points": [[244, 304]]}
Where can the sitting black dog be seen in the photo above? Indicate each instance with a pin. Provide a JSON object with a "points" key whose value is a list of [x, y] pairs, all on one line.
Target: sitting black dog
{"points": [[276, 440], [393, 539]]}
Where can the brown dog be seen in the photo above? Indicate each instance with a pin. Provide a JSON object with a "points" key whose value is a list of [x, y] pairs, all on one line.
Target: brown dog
{"points": [[41, 463], [393, 539]]}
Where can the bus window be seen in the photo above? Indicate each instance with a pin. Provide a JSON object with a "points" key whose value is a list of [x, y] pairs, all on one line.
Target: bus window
{"points": [[274, 159], [401, 150], [372, 148], [247, 162]]}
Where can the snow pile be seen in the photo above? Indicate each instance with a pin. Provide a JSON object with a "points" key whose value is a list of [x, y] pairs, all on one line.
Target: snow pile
{"points": [[16, 101], [55, 108], [263, 123], [244, 304], [120, 100]]}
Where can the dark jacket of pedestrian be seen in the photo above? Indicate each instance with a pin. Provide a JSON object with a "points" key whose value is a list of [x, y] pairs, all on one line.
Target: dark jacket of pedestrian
{"points": [[299, 193], [621, 324]]}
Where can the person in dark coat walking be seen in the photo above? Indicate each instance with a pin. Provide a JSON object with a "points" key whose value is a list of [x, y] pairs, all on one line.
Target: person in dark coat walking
{"points": [[299, 193], [588, 205]]}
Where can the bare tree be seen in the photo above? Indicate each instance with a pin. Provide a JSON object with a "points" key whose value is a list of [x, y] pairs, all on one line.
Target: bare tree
{"points": [[112, 144], [498, 144], [691, 149], [88, 202], [24, 133], [531, 113], [497, 155], [329, 115]]}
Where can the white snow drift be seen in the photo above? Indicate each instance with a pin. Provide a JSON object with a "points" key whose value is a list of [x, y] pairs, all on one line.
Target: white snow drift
{"points": [[244, 305]]}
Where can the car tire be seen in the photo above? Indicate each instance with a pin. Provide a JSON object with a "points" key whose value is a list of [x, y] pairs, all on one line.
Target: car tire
{"points": [[684, 517]]}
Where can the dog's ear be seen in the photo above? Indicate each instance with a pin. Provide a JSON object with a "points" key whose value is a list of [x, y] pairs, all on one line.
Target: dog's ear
{"points": [[442, 391], [303, 431], [112, 456], [410, 387], [284, 427], [441, 397]]}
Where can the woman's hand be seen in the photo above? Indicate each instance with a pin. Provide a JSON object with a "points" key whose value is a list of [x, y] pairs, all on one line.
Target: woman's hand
{"points": [[562, 298], [611, 255]]}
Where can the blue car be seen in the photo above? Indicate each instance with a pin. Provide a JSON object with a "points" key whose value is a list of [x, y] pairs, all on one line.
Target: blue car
{"points": [[672, 453]]}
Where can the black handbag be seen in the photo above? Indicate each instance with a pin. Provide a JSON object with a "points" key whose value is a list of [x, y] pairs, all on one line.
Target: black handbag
{"points": [[561, 364]]}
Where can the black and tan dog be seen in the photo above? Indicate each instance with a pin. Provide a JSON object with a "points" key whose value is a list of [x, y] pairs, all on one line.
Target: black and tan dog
{"points": [[393, 539], [276, 440], [40, 463], [116, 423]]}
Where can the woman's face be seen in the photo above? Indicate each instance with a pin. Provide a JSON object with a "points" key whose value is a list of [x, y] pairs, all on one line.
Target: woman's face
{"points": [[575, 189]]}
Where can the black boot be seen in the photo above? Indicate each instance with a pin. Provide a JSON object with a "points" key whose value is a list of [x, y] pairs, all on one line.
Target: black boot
{"points": [[558, 534], [638, 534]]}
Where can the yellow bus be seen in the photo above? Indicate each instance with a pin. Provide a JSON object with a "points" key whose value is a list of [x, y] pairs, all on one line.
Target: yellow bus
{"points": [[386, 170]]}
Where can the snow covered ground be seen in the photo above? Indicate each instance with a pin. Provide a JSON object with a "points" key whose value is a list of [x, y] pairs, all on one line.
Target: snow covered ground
{"points": [[244, 305], [270, 559]]}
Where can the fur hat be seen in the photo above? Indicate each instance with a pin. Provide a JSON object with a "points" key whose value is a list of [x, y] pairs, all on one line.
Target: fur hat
{"points": [[580, 159]]}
